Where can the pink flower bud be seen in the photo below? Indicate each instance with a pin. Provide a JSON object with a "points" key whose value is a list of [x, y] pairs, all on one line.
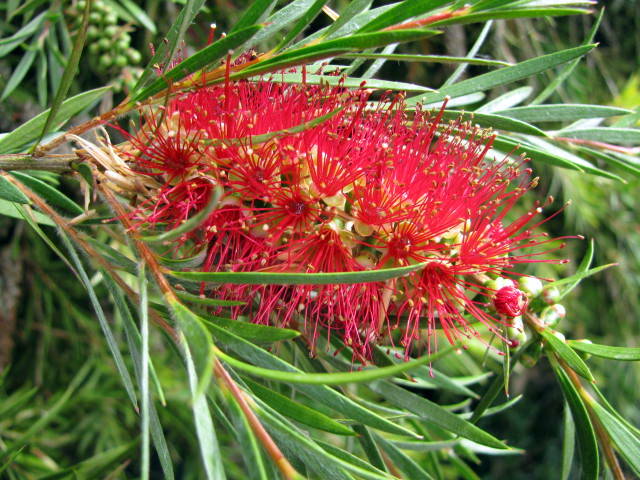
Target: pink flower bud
{"points": [[510, 301]]}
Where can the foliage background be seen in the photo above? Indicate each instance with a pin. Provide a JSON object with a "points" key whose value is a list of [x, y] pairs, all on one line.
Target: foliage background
{"points": [[50, 321]]}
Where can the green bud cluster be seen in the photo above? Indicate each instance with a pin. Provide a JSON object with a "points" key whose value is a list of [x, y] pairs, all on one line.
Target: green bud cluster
{"points": [[109, 43]]}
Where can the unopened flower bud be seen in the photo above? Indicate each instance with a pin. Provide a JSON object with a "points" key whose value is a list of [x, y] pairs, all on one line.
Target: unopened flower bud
{"points": [[515, 332], [510, 301], [531, 286], [552, 315], [551, 295]]}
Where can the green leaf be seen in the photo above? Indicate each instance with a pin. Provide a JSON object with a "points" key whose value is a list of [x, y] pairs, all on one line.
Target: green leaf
{"points": [[198, 339], [349, 82], [436, 380], [568, 442], [538, 149], [265, 137], [624, 162], [561, 112], [50, 415], [200, 60], [510, 13], [260, 278], [189, 297], [280, 19], [191, 224], [435, 413], [627, 442], [351, 10], [166, 49], [579, 276], [143, 313], [339, 378], [364, 469], [587, 443], [303, 22], [9, 43], [102, 319], [332, 48], [494, 121], [255, 13], [506, 100], [504, 75], [134, 341], [49, 193], [69, 73], [296, 445], [19, 72], [240, 427], [567, 354], [207, 440], [623, 136], [402, 57], [400, 12], [29, 131], [297, 411], [568, 68], [400, 460], [139, 15], [250, 331], [631, 354], [41, 79], [369, 447], [319, 393], [11, 193]]}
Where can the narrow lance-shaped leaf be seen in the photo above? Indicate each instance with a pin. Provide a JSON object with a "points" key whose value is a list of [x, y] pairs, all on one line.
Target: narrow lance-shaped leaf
{"points": [[567, 354], [435, 413], [504, 75], [259, 278], [568, 442], [297, 411], [631, 354], [587, 443], [561, 112], [626, 440], [144, 375], [332, 48], [29, 131], [302, 23], [400, 12], [207, 439], [353, 8], [567, 69], [102, 319], [339, 378]]}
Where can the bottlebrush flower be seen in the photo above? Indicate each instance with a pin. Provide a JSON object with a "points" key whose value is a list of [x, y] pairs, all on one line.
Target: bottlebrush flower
{"points": [[368, 186]]}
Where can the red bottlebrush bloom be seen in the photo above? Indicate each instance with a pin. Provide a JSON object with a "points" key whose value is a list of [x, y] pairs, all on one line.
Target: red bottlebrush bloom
{"points": [[369, 187]]}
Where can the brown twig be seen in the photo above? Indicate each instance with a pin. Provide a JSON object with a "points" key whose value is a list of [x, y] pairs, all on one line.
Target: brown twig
{"points": [[269, 445], [26, 161], [601, 433]]}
